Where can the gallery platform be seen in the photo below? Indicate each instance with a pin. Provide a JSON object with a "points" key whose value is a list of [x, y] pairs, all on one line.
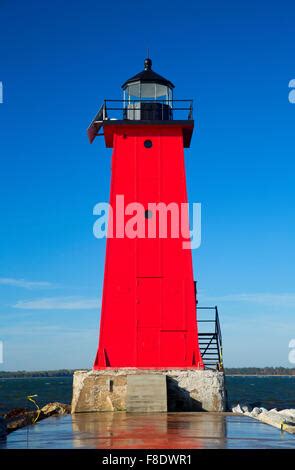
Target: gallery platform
{"points": [[121, 430]]}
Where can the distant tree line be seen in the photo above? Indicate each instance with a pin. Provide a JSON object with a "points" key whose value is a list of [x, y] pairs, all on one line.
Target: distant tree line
{"points": [[38, 373], [259, 371], [228, 370]]}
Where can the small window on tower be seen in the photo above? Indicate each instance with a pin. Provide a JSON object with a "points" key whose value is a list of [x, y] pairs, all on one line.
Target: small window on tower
{"points": [[148, 144]]}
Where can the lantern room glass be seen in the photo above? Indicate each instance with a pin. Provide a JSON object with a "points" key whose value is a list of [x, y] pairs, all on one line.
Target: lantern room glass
{"points": [[148, 91]]}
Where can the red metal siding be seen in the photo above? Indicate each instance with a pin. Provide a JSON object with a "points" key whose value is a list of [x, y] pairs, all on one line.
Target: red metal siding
{"points": [[148, 316]]}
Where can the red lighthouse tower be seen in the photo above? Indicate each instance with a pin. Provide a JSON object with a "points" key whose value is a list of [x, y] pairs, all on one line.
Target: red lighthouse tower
{"points": [[148, 316]]}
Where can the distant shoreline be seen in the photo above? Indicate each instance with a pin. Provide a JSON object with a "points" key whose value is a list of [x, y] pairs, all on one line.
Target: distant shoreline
{"points": [[36, 374], [71, 375], [260, 375], [230, 372]]}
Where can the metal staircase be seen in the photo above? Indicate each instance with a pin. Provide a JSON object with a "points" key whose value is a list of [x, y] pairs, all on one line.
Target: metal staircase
{"points": [[210, 339]]}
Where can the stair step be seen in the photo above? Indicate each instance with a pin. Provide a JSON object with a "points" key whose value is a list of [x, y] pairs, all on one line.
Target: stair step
{"points": [[207, 334], [205, 354]]}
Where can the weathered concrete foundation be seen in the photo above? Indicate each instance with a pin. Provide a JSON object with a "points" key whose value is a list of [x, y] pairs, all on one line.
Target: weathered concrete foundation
{"points": [[146, 393], [187, 390]]}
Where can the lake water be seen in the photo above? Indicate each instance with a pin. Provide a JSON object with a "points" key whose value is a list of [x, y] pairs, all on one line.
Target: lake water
{"points": [[14, 392], [270, 392]]}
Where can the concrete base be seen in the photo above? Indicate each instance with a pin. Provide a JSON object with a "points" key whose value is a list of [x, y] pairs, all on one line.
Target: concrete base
{"points": [[187, 389], [146, 393]]}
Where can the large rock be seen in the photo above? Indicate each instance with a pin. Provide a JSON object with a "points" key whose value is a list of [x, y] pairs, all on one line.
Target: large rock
{"points": [[246, 409], [187, 389], [263, 410], [15, 412], [284, 420], [56, 409], [237, 409], [274, 418], [255, 412], [289, 413], [20, 420], [21, 417]]}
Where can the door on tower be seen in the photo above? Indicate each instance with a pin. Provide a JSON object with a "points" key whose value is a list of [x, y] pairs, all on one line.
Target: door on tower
{"points": [[148, 321], [161, 336]]}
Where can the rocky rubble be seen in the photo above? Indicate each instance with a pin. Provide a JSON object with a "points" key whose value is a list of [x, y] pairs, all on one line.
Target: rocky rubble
{"points": [[20, 417], [284, 419]]}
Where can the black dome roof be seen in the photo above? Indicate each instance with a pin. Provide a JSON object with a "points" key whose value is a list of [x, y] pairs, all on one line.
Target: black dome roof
{"points": [[148, 75]]}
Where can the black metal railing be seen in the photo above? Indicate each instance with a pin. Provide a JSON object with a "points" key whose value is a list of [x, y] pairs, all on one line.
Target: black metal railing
{"points": [[210, 338], [149, 110], [140, 110]]}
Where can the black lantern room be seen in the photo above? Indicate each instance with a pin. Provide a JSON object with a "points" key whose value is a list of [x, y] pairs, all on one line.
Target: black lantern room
{"points": [[147, 99], [148, 96]]}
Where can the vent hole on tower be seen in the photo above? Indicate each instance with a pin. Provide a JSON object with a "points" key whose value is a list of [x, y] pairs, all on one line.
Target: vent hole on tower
{"points": [[111, 386], [148, 214], [148, 144]]}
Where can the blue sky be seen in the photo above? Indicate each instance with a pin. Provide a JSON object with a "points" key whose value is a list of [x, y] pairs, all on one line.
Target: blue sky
{"points": [[58, 62]]}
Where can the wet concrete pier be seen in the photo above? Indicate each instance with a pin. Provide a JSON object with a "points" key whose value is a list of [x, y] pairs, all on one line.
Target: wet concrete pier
{"points": [[122, 430]]}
